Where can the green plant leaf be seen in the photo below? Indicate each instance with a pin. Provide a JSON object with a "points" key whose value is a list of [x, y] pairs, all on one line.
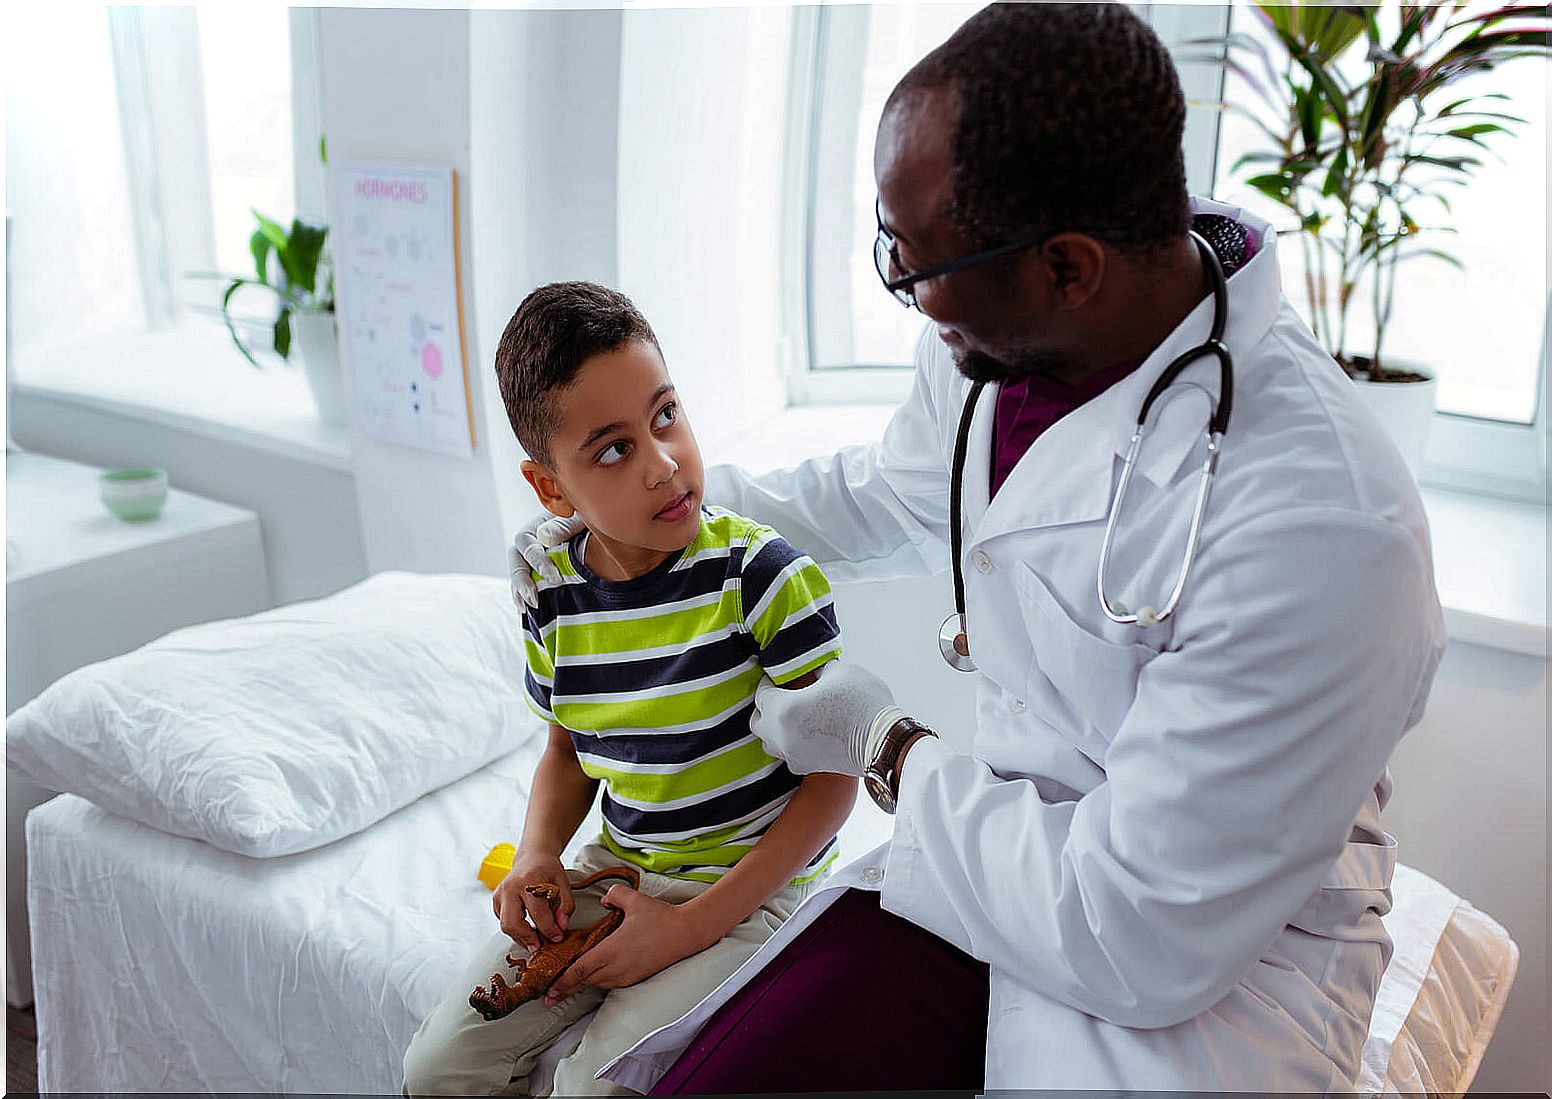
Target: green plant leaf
{"points": [[226, 315], [1336, 176], [1256, 156], [282, 246], [283, 332], [1483, 20], [259, 247], [1431, 253], [1278, 140], [1476, 129], [1310, 111], [1449, 163], [1333, 28], [1275, 186], [306, 250], [1501, 116], [1336, 98]]}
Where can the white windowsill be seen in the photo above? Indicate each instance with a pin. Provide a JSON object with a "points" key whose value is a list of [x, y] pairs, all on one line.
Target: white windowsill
{"points": [[1490, 563], [190, 377]]}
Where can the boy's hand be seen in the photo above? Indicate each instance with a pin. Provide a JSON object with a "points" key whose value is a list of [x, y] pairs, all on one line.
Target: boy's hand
{"points": [[515, 907], [654, 935]]}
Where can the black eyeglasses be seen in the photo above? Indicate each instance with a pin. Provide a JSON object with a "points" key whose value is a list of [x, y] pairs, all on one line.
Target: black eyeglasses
{"points": [[886, 261]]}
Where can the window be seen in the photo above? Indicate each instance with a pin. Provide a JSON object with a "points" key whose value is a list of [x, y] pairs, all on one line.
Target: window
{"points": [[852, 341], [138, 140], [1480, 327], [1485, 329]]}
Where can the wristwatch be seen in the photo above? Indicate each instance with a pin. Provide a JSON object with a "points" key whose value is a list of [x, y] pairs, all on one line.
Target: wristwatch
{"points": [[882, 777]]}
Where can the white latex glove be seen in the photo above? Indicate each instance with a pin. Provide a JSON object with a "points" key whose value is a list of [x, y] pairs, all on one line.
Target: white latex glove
{"points": [[530, 550], [835, 724]]}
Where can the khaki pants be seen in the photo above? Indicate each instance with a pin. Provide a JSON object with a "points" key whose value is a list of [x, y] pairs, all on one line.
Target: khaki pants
{"points": [[455, 1052]]}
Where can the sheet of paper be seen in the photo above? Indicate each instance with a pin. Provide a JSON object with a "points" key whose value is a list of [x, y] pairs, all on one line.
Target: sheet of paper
{"points": [[396, 279]]}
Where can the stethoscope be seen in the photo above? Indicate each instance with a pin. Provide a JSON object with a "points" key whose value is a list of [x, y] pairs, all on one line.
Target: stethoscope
{"points": [[953, 639]]}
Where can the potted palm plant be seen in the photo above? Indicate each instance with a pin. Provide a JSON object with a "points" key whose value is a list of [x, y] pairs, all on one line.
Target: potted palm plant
{"points": [[293, 266], [1367, 135]]}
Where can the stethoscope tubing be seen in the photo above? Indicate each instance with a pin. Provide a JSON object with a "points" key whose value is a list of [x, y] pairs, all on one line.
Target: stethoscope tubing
{"points": [[957, 655]]}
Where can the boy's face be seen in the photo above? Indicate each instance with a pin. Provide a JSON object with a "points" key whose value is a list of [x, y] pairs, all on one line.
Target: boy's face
{"points": [[624, 457]]}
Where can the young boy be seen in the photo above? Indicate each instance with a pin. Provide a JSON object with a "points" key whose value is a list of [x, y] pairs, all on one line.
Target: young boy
{"points": [[645, 660]]}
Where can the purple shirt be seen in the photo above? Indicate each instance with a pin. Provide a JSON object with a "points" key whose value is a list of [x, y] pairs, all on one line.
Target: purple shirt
{"points": [[1025, 408]]}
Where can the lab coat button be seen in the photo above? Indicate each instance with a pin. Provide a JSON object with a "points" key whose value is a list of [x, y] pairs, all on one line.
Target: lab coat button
{"points": [[872, 875], [983, 563], [1016, 705]]}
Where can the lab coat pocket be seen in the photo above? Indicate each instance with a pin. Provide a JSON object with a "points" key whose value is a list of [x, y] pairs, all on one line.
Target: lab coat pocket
{"points": [[1082, 682]]}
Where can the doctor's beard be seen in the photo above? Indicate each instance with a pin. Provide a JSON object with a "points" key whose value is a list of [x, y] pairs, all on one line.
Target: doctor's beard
{"points": [[981, 367]]}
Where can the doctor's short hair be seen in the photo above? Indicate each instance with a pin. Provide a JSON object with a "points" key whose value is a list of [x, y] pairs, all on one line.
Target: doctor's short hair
{"points": [[555, 330], [1071, 117]]}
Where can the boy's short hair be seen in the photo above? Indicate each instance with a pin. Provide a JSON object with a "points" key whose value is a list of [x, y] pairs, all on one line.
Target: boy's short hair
{"points": [[555, 330]]}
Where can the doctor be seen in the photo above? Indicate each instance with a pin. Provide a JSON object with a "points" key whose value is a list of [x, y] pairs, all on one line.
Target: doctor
{"points": [[1157, 862]]}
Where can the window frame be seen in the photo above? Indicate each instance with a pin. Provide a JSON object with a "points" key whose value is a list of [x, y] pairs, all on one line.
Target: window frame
{"points": [[807, 384], [168, 245], [1466, 453]]}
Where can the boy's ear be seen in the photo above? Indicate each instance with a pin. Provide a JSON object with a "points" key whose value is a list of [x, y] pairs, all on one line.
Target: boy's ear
{"points": [[548, 489]]}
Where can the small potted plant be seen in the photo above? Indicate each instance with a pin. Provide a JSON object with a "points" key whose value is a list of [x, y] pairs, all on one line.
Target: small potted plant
{"points": [[1367, 136], [294, 267]]}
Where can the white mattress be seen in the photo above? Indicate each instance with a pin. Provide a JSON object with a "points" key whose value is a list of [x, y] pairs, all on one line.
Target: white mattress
{"points": [[162, 963], [165, 964]]}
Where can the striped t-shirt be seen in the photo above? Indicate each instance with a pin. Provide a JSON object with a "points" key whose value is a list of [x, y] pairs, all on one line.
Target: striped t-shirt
{"points": [[655, 677]]}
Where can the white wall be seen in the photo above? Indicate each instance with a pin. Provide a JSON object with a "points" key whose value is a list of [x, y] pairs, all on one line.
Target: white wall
{"points": [[545, 93], [396, 86], [637, 149]]}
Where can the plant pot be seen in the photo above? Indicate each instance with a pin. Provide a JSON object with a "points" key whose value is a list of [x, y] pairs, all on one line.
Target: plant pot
{"points": [[1405, 409], [316, 337]]}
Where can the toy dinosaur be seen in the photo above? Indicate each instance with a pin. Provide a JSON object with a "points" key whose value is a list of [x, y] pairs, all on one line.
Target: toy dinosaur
{"points": [[536, 974]]}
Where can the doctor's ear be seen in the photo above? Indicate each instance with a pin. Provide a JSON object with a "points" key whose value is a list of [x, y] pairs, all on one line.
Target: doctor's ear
{"points": [[547, 488], [1077, 267]]}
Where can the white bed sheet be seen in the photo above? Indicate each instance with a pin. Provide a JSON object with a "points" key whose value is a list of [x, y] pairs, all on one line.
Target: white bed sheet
{"points": [[165, 964]]}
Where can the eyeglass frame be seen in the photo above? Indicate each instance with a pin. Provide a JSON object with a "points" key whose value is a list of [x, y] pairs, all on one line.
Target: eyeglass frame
{"points": [[901, 288]]}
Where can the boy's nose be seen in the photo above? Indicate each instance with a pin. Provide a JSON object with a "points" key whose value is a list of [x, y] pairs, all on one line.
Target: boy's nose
{"points": [[663, 470]]}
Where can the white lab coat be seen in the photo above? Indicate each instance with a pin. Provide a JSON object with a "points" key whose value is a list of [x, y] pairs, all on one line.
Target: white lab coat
{"points": [[1166, 843]]}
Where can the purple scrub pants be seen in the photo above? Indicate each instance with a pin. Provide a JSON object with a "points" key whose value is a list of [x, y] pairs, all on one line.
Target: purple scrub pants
{"points": [[834, 1009]]}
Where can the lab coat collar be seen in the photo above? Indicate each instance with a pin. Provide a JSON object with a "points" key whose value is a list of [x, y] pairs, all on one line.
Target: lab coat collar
{"points": [[1067, 475]]}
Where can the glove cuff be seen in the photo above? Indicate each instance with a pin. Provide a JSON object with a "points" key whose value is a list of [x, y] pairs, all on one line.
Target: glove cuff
{"points": [[881, 724]]}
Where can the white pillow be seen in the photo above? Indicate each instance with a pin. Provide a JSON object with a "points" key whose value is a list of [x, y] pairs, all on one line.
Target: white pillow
{"points": [[289, 729]]}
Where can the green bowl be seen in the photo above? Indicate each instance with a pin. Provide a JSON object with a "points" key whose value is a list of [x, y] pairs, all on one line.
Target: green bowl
{"points": [[134, 495]]}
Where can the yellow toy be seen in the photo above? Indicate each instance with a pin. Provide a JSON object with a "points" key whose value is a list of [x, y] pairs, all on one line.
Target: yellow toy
{"points": [[497, 865]]}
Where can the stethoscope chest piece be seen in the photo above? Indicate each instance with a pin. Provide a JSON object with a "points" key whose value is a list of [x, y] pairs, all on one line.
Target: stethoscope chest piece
{"points": [[954, 643]]}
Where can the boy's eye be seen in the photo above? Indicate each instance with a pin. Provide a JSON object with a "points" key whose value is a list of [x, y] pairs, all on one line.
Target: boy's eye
{"points": [[667, 414], [612, 454]]}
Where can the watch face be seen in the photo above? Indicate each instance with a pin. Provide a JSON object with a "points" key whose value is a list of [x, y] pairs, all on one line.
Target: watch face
{"points": [[878, 790]]}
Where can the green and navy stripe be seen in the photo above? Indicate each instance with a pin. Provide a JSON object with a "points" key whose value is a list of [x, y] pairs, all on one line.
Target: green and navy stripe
{"points": [[655, 678]]}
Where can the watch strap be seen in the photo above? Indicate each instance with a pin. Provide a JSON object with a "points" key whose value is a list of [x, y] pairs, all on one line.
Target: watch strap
{"points": [[882, 777]]}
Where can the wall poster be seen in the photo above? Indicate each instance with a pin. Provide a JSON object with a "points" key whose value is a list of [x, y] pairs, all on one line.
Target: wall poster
{"points": [[400, 313]]}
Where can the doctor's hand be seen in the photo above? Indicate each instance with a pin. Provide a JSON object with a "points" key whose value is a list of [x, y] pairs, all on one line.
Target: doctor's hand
{"points": [[515, 907], [834, 724], [653, 936], [530, 550]]}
